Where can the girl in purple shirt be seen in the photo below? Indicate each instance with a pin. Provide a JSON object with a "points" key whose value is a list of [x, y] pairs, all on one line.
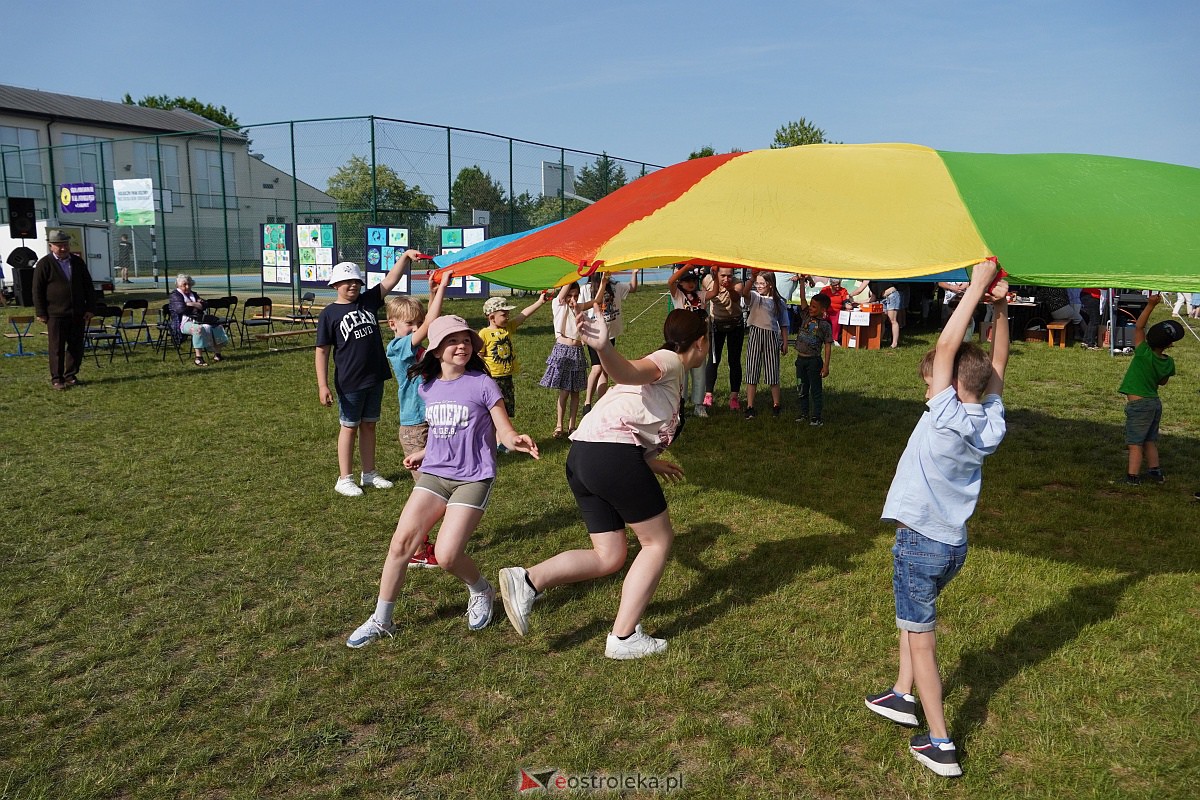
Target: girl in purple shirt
{"points": [[466, 416]]}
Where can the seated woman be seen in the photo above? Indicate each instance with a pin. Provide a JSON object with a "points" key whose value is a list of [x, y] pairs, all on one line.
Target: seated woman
{"points": [[187, 314]]}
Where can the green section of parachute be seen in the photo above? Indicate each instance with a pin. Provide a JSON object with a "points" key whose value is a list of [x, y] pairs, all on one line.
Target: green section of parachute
{"points": [[1083, 220]]}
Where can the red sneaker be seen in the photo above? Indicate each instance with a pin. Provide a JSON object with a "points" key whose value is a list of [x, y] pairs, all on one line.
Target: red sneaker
{"points": [[708, 400], [424, 557], [734, 405]]}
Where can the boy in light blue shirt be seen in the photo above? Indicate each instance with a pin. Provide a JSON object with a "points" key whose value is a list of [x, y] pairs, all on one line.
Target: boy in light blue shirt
{"points": [[931, 498]]}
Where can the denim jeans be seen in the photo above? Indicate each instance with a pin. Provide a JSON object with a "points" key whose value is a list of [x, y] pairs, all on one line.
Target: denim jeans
{"points": [[921, 568]]}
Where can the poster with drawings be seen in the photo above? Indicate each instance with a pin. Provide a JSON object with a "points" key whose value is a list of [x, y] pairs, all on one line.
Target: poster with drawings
{"points": [[454, 239], [383, 246], [316, 247], [276, 239]]}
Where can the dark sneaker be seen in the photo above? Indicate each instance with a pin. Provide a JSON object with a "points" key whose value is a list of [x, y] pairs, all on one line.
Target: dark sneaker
{"points": [[941, 758], [816, 423], [749, 412], [776, 411], [895, 707], [802, 419], [1156, 476], [1131, 480]]}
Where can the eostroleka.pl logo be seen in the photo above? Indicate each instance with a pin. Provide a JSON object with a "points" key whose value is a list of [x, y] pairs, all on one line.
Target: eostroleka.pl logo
{"points": [[530, 781]]}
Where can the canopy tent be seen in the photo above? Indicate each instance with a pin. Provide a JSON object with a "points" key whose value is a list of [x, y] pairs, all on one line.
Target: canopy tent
{"points": [[878, 211]]}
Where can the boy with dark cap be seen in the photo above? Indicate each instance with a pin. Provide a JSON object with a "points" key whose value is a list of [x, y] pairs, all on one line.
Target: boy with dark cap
{"points": [[1150, 368]]}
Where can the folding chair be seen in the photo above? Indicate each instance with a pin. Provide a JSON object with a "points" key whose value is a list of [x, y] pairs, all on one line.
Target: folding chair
{"points": [[133, 318], [104, 333], [304, 315], [20, 326], [229, 320], [256, 313], [218, 308], [169, 334]]}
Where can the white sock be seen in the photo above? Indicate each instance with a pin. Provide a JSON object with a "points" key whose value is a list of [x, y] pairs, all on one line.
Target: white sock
{"points": [[480, 586], [383, 612]]}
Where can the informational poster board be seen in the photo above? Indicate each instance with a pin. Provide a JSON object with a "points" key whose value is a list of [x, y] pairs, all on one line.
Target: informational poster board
{"points": [[316, 246], [384, 246], [455, 239], [276, 238]]}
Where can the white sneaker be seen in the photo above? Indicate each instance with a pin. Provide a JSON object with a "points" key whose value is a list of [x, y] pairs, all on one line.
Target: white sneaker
{"points": [[375, 481], [636, 646], [368, 632], [479, 609], [701, 411], [345, 485], [518, 597]]}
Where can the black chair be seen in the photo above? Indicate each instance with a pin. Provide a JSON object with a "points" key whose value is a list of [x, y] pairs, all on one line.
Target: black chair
{"points": [[103, 333], [133, 318], [169, 334], [304, 315], [256, 315], [222, 308]]}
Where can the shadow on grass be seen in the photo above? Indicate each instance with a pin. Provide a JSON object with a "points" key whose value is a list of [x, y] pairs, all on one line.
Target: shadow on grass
{"points": [[769, 566], [984, 672], [1043, 459]]}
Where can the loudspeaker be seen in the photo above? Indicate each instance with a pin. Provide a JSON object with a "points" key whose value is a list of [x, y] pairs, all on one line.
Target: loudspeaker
{"points": [[21, 257], [21, 221], [23, 285]]}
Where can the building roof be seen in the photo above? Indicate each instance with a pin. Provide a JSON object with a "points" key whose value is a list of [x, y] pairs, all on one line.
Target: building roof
{"points": [[65, 107]]}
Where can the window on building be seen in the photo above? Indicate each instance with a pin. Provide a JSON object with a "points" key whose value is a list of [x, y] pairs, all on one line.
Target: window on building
{"points": [[148, 157], [206, 179], [83, 157], [23, 174]]}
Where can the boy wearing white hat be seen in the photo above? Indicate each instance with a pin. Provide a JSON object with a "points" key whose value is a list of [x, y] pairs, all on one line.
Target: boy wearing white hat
{"points": [[349, 328]]}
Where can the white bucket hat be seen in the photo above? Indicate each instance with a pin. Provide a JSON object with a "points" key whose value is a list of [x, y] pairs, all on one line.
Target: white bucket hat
{"points": [[345, 271]]}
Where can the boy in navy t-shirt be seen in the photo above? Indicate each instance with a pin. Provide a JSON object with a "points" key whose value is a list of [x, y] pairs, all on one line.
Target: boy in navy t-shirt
{"points": [[350, 328]]}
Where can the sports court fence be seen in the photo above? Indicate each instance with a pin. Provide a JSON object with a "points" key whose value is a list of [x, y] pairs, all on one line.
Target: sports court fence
{"points": [[213, 189]]}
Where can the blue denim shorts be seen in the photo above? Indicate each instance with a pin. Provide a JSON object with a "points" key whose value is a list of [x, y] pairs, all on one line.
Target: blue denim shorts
{"points": [[365, 405], [893, 301], [921, 568], [1141, 420]]}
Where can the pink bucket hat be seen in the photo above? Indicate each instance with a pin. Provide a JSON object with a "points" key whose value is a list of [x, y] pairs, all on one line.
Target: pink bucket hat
{"points": [[444, 326]]}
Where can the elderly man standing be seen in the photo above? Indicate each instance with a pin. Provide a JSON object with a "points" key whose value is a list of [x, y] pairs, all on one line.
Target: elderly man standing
{"points": [[63, 297]]}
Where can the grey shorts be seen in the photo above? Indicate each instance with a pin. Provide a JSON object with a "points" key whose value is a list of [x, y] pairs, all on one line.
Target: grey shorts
{"points": [[473, 494], [1141, 420]]}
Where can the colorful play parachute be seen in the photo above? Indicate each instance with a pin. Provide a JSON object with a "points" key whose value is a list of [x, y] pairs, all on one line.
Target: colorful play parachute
{"points": [[878, 211]]}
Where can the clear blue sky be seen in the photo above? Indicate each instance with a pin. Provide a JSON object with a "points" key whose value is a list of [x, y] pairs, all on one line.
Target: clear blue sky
{"points": [[652, 81]]}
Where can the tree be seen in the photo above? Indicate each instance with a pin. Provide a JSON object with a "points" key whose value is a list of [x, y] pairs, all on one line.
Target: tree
{"points": [[797, 133], [219, 115], [707, 150], [394, 202], [475, 189], [533, 212], [601, 178]]}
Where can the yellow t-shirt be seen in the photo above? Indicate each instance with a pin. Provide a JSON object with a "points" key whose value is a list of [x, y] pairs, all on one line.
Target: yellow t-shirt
{"points": [[498, 353]]}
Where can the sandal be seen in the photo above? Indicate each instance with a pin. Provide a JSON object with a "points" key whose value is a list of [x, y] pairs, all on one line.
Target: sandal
{"points": [[218, 358], [559, 434], [200, 362]]}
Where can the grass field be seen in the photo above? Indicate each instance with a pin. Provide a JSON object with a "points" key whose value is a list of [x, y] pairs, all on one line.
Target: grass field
{"points": [[179, 579]]}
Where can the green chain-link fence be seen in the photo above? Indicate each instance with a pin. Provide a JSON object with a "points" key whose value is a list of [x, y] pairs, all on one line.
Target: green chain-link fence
{"points": [[213, 189]]}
